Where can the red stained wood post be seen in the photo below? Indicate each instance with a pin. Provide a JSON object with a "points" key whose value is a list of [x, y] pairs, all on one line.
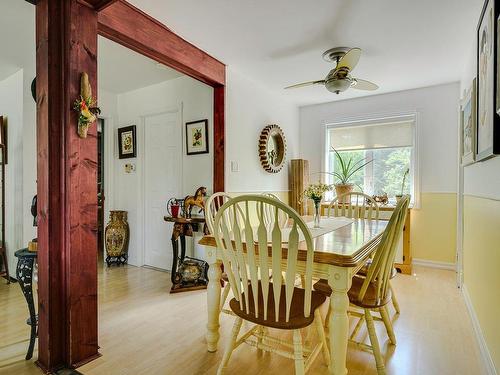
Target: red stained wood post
{"points": [[67, 186]]}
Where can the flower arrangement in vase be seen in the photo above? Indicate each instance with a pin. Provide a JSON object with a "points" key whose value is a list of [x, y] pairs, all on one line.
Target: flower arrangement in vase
{"points": [[315, 193]]}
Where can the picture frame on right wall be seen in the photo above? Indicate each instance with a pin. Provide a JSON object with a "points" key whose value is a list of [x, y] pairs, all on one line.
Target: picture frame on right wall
{"points": [[488, 121], [468, 125]]}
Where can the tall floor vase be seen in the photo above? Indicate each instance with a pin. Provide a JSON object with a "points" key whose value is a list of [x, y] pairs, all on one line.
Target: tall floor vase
{"points": [[117, 237]]}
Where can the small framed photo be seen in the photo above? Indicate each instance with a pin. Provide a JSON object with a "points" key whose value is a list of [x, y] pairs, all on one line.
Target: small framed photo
{"points": [[127, 142], [468, 125], [197, 137]]}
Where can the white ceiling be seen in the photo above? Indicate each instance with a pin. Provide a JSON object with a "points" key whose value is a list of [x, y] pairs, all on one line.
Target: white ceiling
{"points": [[406, 43], [121, 69]]}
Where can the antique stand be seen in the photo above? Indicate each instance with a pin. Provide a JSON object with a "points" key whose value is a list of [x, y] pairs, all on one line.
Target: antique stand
{"points": [[182, 266], [24, 272]]}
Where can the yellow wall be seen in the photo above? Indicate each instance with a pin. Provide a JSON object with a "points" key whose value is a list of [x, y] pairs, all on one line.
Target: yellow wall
{"points": [[434, 228], [481, 266]]}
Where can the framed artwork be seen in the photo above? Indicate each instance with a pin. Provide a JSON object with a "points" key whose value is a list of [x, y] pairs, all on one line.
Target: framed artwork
{"points": [[197, 137], [127, 145], [488, 122], [468, 125], [3, 138]]}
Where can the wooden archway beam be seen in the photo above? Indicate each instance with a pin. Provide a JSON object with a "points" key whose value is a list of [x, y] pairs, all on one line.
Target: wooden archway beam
{"points": [[129, 26]]}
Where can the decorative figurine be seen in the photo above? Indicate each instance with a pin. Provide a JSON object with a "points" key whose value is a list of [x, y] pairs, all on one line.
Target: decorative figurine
{"points": [[195, 200], [85, 106]]}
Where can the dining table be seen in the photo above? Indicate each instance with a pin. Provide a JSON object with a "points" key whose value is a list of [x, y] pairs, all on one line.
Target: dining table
{"points": [[341, 248]]}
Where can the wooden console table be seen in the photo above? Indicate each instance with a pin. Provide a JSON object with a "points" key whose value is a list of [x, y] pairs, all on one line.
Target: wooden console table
{"points": [[185, 227]]}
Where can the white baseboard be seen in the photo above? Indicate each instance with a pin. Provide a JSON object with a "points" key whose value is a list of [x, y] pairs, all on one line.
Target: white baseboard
{"points": [[434, 264], [483, 347]]}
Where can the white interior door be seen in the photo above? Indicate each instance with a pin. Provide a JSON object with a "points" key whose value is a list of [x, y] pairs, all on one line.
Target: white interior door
{"points": [[163, 176]]}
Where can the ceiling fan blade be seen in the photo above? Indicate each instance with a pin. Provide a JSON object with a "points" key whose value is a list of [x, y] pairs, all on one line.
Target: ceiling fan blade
{"points": [[350, 59], [304, 84], [361, 84]]}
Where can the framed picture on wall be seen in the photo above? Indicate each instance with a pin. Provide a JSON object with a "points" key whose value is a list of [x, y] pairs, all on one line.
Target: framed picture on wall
{"points": [[197, 137], [468, 125], [127, 142], [488, 121]]}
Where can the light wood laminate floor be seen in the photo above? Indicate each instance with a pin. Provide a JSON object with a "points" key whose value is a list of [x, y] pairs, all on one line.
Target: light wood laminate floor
{"points": [[145, 330]]}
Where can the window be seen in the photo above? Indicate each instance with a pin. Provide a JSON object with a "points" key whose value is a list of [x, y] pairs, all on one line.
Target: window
{"points": [[388, 147]]}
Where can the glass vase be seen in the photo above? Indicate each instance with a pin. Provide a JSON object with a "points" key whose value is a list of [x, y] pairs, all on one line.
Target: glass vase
{"points": [[317, 213]]}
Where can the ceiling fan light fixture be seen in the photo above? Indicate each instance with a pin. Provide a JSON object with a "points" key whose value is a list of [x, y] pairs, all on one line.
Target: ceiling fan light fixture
{"points": [[338, 85]]}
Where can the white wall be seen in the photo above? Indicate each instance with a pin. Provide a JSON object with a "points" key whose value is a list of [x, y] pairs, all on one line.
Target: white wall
{"points": [[249, 108], [438, 117], [11, 107], [195, 101], [29, 153]]}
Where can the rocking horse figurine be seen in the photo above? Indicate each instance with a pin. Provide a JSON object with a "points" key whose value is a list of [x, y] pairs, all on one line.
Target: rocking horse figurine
{"points": [[195, 200]]}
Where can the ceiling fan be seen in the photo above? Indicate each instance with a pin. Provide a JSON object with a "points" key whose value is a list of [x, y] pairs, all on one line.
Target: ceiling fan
{"points": [[339, 79]]}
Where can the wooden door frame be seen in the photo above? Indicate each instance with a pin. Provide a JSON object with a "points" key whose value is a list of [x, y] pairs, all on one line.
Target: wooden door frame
{"points": [[67, 32], [120, 23]]}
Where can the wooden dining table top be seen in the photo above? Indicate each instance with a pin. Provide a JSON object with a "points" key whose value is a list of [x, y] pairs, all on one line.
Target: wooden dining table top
{"points": [[346, 246]]}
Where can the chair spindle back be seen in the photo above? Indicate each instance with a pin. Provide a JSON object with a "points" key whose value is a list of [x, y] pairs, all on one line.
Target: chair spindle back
{"points": [[269, 212], [354, 205], [252, 254], [213, 204], [380, 269]]}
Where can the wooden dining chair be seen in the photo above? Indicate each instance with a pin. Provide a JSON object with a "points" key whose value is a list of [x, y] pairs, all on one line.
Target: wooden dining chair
{"points": [[372, 292], [269, 214], [360, 205], [251, 255], [212, 206]]}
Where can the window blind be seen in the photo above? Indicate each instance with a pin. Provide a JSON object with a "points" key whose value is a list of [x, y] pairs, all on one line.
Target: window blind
{"points": [[369, 136]]}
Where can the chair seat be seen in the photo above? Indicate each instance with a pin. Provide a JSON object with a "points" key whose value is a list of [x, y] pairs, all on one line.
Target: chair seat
{"points": [[297, 319], [369, 301]]}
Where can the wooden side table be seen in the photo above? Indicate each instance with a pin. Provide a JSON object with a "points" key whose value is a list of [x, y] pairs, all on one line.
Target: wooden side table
{"points": [[186, 227], [24, 272]]}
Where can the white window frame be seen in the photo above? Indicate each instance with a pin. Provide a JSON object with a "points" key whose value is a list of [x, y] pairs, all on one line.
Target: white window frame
{"points": [[381, 118]]}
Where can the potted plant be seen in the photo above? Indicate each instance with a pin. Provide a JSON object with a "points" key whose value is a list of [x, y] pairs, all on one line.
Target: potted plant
{"points": [[348, 167], [403, 183], [315, 193]]}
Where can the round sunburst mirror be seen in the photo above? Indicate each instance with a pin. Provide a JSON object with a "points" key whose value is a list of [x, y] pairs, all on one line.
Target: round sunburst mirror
{"points": [[272, 148]]}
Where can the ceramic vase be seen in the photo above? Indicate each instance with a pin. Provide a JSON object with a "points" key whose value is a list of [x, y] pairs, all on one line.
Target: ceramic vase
{"points": [[117, 235]]}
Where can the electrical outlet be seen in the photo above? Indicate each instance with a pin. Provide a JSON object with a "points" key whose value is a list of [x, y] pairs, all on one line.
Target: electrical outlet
{"points": [[129, 168]]}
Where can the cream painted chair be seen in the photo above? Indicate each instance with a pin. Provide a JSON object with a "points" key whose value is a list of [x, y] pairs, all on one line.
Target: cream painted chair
{"points": [[212, 206], [361, 206], [268, 212], [277, 304], [372, 292]]}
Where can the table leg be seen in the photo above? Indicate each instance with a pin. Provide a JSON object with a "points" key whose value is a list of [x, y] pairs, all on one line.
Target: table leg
{"points": [[175, 259], [213, 299], [183, 247], [24, 273], [340, 282]]}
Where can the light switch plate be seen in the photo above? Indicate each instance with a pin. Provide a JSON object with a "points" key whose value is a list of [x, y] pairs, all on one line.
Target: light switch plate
{"points": [[235, 166]]}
